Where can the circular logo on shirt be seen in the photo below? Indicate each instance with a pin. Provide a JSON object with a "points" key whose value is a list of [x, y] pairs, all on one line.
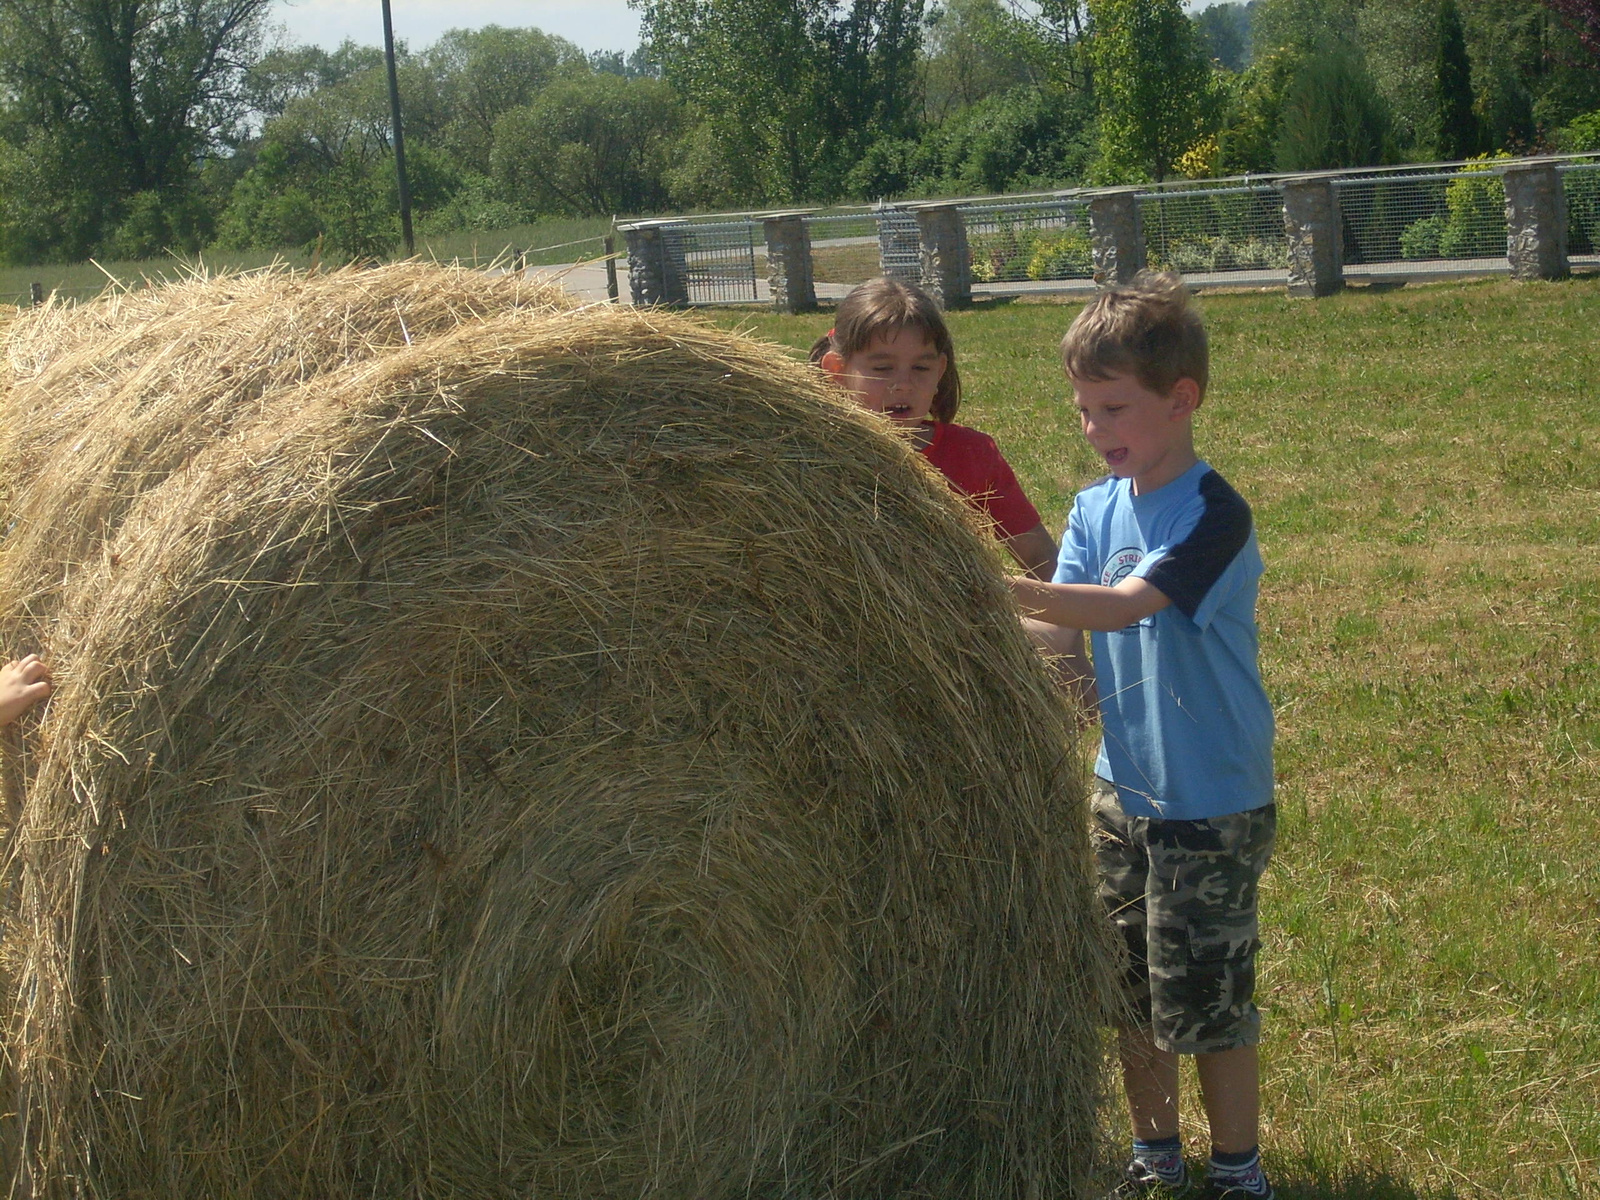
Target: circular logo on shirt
{"points": [[1120, 565]]}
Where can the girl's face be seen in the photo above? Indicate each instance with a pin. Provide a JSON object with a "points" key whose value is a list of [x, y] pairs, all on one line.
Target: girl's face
{"points": [[896, 374]]}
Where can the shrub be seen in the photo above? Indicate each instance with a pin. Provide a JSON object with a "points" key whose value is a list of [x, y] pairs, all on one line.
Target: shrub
{"points": [[1065, 255], [1475, 226], [1030, 252], [1421, 239], [1222, 254]]}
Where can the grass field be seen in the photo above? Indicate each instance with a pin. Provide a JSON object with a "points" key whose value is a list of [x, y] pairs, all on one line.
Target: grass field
{"points": [[568, 239], [1425, 471]]}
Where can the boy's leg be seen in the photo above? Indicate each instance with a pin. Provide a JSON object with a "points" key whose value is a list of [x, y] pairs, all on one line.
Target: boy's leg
{"points": [[1203, 933], [1150, 1075], [1230, 1087], [1150, 1081]]}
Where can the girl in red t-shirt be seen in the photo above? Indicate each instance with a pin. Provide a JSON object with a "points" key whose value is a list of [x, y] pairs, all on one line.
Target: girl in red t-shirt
{"points": [[890, 348]]}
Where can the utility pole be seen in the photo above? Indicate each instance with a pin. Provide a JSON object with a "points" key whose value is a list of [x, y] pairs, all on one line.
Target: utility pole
{"points": [[399, 136]]}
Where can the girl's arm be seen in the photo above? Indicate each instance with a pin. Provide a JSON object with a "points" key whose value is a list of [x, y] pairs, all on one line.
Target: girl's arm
{"points": [[23, 683], [1088, 605], [1036, 551]]}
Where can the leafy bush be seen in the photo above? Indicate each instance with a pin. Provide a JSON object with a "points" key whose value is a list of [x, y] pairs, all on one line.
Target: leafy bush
{"points": [[476, 205], [1222, 254], [1476, 224], [1421, 239], [1066, 255], [1024, 138], [1583, 210], [155, 222], [1029, 252], [1581, 134], [1473, 224]]}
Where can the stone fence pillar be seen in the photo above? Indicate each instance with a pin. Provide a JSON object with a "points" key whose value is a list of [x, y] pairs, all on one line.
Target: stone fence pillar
{"points": [[789, 269], [1116, 232], [946, 261], [1536, 221], [657, 270], [1314, 227]]}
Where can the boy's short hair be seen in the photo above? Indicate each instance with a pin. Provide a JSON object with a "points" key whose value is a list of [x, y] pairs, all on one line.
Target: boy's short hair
{"points": [[1145, 328]]}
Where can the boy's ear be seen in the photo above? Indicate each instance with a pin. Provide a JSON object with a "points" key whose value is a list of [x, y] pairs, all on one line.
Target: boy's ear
{"points": [[833, 363], [1185, 396]]}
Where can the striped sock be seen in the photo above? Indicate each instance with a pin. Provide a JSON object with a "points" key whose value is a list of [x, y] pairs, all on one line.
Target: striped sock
{"points": [[1163, 1158], [1240, 1172]]}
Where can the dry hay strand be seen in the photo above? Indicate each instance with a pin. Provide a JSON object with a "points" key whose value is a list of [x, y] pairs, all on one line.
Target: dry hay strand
{"points": [[102, 401], [573, 756]]}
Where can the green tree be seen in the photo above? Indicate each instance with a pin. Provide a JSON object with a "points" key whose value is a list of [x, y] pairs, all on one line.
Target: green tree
{"points": [[788, 92], [1062, 29], [1153, 87], [286, 73], [1458, 124], [1224, 31], [482, 74], [1332, 115], [111, 99], [1248, 140], [324, 170], [1583, 18], [590, 146], [974, 49]]}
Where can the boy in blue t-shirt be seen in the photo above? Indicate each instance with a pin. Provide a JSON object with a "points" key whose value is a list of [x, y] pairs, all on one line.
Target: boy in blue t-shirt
{"points": [[1160, 563]]}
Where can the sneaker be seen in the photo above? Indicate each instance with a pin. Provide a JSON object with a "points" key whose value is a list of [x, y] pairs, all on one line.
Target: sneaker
{"points": [[1139, 1182]]}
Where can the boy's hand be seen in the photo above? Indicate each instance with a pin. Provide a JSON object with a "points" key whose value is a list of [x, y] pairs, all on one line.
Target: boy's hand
{"points": [[23, 683]]}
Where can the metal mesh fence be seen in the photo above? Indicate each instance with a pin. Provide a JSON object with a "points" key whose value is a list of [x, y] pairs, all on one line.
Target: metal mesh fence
{"points": [[1039, 240], [1428, 217], [1201, 231], [899, 244], [1581, 182], [844, 248], [859, 227], [719, 259]]}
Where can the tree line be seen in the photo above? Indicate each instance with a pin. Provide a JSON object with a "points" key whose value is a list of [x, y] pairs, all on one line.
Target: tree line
{"points": [[132, 127]]}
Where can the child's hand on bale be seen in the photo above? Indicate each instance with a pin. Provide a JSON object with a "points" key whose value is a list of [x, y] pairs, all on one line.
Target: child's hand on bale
{"points": [[23, 683]]}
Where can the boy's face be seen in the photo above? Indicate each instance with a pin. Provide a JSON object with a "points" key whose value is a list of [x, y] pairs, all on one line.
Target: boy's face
{"points": [[1139, 433]]}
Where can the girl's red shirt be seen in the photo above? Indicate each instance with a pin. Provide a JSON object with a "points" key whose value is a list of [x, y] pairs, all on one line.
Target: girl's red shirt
{"points": [[973, 464]]}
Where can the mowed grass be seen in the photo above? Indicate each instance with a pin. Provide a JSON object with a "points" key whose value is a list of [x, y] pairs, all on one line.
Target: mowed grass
{"points": [[1424, 467]]}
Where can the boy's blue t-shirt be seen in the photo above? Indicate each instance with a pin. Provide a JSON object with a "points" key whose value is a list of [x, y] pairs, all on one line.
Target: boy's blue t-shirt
{"points": [[1187, 726]]}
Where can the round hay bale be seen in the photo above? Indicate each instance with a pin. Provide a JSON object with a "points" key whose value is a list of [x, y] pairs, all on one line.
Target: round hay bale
{"points": [[104, 400], [572, 756]]}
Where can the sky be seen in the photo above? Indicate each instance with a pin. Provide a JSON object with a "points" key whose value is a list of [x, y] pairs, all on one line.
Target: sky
{"points": [[592, 24]]}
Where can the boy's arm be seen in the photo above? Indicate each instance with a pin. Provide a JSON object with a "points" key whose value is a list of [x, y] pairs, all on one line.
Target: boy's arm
{"points": [[1088, 605], [1036, 551], [1064, 655]]}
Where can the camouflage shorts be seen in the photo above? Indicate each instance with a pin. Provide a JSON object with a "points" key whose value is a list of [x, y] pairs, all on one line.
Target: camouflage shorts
{"points": [[1183, 896]]}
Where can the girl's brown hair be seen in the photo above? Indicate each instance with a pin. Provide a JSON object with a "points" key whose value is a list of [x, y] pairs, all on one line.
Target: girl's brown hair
{"points": [[882, 308]]}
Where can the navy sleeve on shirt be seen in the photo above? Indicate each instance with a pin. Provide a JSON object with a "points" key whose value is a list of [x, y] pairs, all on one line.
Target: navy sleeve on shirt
{"points": [[1190, 569]]}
